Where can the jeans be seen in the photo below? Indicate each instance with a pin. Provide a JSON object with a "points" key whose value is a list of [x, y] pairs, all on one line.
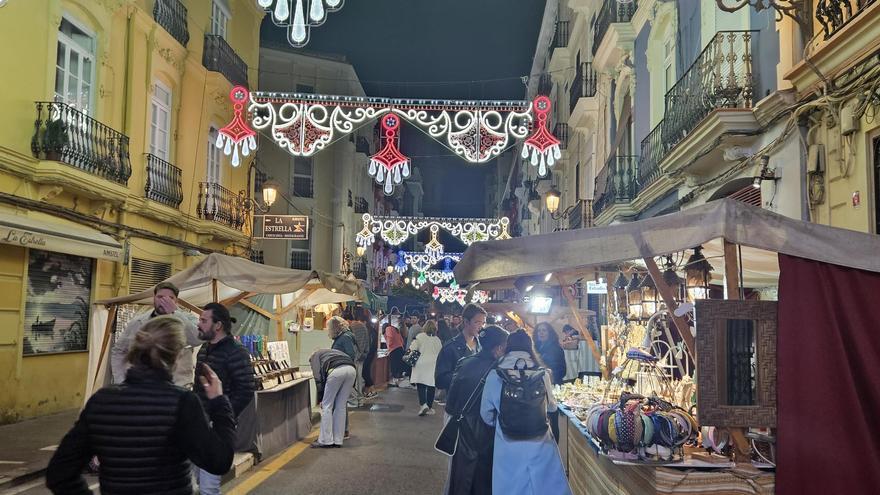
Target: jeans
{"points": [[333, 406], [209, 484], [357, 393], [426, 395]]}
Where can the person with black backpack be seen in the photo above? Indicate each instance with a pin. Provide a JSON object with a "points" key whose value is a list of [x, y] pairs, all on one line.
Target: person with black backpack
{"points": [[516, 400]]}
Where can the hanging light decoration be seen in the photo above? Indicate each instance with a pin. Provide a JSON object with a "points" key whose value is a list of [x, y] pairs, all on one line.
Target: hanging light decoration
{"points": [[401, 265], [299, 16], [543, 146], [671, 279], [389, 165], [634, 296], [649, 297], [434, 248], [698, 273], [237, 135], [620, 299]]}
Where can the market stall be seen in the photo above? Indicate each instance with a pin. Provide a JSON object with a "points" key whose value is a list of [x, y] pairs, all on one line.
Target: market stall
{"points": [[758, 292], [272, 300]]}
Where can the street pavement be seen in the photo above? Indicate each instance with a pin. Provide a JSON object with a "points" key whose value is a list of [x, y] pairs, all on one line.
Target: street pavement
{"points": [[391, 452]]}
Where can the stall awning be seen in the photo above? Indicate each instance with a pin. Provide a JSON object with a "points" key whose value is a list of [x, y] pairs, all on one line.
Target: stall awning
{"points": [[68, 238]]}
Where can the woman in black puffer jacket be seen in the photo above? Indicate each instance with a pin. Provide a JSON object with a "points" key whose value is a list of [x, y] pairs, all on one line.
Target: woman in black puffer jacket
{"points": [[146, 430]]}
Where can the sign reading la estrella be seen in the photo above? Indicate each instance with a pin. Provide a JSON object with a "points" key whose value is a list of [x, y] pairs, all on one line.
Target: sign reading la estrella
{"points": [[294, 227]]}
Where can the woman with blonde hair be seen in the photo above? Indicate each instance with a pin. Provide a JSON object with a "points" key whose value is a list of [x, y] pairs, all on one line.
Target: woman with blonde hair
{"points": [[145, 431], [343, 340], [428, 345]]}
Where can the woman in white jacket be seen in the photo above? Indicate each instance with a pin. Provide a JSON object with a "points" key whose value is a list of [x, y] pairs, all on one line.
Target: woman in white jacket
{"points": [[428, 345]]}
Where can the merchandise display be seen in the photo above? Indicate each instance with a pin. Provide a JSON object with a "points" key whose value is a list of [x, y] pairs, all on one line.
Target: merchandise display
{"points": [[270, 362]]}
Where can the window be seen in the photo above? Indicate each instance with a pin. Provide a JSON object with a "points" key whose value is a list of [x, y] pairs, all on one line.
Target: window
{"points": [[145, 274], [214, 161], [59, 292], [219, 17], [668, 63], [302, 178], [300, 258], [305, 88], [74, 66], [160, 121]]}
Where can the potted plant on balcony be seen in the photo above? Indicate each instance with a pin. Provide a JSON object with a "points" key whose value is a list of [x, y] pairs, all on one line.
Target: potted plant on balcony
{"points": [[55, 139]]}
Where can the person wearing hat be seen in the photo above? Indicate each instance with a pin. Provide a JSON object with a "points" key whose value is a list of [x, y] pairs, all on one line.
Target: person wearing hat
{"points": [[470, 469], [164, 303]]}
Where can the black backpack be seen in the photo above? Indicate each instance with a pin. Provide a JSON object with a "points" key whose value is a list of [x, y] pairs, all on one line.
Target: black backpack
{"points": [[523, 413]]}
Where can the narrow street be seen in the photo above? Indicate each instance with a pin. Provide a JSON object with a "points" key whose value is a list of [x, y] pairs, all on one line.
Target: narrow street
{"points": [[391, 452]]}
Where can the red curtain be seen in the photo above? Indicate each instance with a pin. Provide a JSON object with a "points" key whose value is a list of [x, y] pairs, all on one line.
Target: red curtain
{"points": [[828, 388]]}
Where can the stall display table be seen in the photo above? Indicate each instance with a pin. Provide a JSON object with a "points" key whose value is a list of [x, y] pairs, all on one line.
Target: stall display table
{"points": [[579, 360], [594, 474], [277, 418]]}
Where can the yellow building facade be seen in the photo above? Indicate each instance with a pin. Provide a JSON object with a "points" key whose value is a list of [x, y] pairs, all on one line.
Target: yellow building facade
{"points": [[109, 180]]}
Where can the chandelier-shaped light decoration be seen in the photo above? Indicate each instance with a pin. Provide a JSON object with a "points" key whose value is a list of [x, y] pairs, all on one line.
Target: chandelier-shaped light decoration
{"points": [[543, 146], [401, 265], [450, 294], [396, 230], [237, 134], [477, 131], [422, 262], [389, 165], [299, 16], [434, 248]]}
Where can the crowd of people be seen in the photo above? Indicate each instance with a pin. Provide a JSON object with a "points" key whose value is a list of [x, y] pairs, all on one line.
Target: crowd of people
{"points": [[170, 416]]}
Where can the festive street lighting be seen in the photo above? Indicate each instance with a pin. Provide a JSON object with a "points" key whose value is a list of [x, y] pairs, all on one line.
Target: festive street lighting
{"points": [[551, 199], [634, 296], [698, 273]]}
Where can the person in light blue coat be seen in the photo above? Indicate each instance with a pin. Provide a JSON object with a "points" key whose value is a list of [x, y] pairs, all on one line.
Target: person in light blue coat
{"points": [[522, 467]]}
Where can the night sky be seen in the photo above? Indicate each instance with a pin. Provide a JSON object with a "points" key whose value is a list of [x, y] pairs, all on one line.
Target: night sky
{"points": [[426, 49]]}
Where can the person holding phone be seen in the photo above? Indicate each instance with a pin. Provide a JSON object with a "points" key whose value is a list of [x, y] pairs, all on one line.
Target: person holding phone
{"points": [[146, 431]]}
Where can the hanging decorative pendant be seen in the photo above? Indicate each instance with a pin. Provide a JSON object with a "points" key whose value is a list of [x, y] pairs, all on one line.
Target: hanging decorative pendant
{"points": [[237, 134], [306, 15], [542, 145], [433, 248], [389, 165]]}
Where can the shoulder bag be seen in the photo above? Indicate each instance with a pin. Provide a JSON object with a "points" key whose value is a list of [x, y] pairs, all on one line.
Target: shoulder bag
{"points": [[447, 441]]}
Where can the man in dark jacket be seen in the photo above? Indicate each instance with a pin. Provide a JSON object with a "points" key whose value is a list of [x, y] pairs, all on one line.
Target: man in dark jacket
{"points": [[470, 470], [463, 344], [232, 363]]}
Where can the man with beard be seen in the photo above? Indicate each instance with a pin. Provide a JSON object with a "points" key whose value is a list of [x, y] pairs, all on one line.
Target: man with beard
{"points": [[164, 303], [470, 469], [232, 364]]}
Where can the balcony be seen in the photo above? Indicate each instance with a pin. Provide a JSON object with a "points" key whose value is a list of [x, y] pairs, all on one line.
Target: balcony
{"points": [[220, 57], [583, 86], [163, 182], [64, 134], [171, 15], [616, 181], [359, 269], [561, 133], [545, 85], [653, 151], [581, 215], [613, 11], [361, 205], [362, 145], [833, 15], [220, 205], [563, 33], [721, 77], [257, 256], [301, 260]]}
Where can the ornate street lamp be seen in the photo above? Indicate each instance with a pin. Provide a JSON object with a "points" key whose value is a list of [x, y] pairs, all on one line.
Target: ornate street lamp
{"points": [[671, 279], [698, 273], [270, 192], [551, 199], [634, 297], [649, 297], [361, 250], [620, 299]]}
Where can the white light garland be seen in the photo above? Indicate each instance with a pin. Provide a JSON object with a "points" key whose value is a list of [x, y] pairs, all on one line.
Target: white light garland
{"points": [[396, 230], [450, 294], [299, 24]]}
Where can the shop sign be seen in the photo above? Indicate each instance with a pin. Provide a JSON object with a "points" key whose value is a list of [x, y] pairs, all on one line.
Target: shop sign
{"points": [[594, 287], [60, 244], [293, 227]]}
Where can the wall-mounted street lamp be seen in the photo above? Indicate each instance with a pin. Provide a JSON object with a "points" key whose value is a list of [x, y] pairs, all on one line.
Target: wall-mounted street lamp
{"points": [[270, 192]]}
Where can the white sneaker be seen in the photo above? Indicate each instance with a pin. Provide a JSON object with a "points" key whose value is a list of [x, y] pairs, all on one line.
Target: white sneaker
{"points": [[424, 410], [431, 412]]}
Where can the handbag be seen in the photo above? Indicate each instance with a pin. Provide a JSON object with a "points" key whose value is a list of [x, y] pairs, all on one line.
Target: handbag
{"points": [[447, 441], [411, 357]]}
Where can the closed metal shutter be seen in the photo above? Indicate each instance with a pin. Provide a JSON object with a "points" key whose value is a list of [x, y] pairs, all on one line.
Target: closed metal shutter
{"points": [[145, 274], [59, 292]]}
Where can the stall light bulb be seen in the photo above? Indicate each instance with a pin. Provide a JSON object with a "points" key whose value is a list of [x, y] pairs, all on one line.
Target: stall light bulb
{"points": [[547, 277]]}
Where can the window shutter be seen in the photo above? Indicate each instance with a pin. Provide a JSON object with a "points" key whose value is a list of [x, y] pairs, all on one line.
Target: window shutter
{"points": [[145, 274]]}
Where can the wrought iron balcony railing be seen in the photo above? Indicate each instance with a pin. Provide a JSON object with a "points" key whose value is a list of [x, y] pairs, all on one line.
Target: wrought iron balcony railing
{"points": [[581, 215], [220, 57], [833, 15], [612, 11], [361, 205], [64, 134], [362, 145], [561, 133], [359, 269], [220, 205], [163, 182], [616, 182], [721, 77], [257, 256], [560, 39], [171, 15], [301, 260], [654, 148], [545, 85], [584, 84]]}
